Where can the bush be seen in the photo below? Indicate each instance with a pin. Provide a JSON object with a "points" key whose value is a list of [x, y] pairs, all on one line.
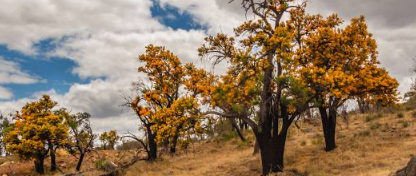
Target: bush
{"points": [[400, 114], [405, 124], [105, 165]]}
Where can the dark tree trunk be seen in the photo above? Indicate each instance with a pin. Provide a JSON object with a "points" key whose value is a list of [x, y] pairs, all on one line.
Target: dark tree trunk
{"points": [[39, 163], [237, 129], [361, 106], [329, 126], [272, 153], [53, 160], [172, 146], [280, 144], [151, 137], [266, 153], [79, 164]]}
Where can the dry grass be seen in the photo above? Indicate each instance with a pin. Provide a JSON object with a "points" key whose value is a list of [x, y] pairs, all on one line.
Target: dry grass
{"points": [[370, 146], [366, 148]]}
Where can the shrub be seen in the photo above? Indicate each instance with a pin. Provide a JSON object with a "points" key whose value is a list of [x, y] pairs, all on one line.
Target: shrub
{"points": [[405, 124], [105, 165], [400, 114]]}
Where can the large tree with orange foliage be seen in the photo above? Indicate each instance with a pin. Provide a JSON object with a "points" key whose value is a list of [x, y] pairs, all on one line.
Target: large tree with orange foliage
{"points": [[306, 61], [38, 130], [261, 55], [168, 106], [339, 64]]}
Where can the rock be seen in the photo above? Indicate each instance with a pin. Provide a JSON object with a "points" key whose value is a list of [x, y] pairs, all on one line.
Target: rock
{"points": [[409, 170], [411, 167]]}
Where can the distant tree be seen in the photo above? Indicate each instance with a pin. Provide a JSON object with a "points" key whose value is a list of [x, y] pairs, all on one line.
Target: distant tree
{"points": [[109, 139], [5, 127], [81, 136], [38, 131]]}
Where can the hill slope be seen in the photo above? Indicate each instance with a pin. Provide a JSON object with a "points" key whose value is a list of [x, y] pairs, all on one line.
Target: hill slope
{"points": [[371, 145]]}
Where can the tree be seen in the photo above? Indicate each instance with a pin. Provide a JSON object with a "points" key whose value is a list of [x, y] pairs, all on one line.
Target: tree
{"points": [[338, 65], [38, 130], [5, 127], [81, 136], [109, 139], [235, 97], [169, 108], [265, 52]]}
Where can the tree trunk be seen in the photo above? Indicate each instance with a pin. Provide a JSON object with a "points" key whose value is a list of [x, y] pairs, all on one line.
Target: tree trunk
{"points": [[237, 129], [172, 145], [266, 154], [152, 155], [81, 158], [53, 160], [328, 125], [39, 163], [280, 143]]}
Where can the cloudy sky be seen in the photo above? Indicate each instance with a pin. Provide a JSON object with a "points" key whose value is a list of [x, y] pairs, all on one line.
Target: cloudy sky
{"points": [[83, 53]]}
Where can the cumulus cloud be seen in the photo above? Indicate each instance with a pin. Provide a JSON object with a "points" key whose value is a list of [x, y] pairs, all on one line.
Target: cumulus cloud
{"points": [[5, 93], [104, 38], [25, 22], [11, 73]]}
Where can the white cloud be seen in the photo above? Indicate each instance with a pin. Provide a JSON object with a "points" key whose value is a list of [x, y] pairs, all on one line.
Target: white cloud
{"points": [[11, 73], [25, 22], [5, 93], [219, 16], [104, 38]]}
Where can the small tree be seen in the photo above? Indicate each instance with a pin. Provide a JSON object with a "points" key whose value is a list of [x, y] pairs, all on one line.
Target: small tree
{"points": [[5, 127], [38, 130], [81, 136], [109, 139]]}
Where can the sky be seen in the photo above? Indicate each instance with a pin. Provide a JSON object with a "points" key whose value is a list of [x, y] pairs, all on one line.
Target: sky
{"points": [[84, 53]]}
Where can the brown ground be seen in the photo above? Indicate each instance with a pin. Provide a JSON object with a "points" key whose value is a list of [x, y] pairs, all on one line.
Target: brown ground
{"points": [[372, 147]]}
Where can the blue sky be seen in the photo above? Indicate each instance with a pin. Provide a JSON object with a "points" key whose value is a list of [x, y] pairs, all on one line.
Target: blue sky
{"points": [[83, 53]]}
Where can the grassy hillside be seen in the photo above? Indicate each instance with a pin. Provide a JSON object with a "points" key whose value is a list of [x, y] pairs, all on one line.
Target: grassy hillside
{"points": [[370, 145]]}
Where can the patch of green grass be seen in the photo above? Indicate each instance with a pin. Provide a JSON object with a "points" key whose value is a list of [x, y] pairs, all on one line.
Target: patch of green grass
{"points": [[375, 126], [370, 118], [362, 133], [318, 140], [303, 143]]}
